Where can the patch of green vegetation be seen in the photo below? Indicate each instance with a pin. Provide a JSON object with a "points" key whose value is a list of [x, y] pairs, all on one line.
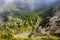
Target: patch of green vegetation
{"points": [[18, 23]]}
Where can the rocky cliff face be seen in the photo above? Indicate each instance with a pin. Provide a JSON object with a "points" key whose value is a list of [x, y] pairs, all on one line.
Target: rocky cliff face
{"points": [[52, 27]]}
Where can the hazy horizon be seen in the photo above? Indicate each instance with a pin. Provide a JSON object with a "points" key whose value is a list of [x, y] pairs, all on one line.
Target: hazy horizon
{"points": [[32, 4]]}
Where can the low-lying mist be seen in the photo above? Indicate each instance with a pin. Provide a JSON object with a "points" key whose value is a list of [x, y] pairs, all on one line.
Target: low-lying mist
{"points": [[25, 5], [32, 4]]}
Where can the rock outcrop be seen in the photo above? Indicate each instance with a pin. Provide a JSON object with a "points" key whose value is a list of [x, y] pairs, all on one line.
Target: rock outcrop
{"points": [[50, 28]]}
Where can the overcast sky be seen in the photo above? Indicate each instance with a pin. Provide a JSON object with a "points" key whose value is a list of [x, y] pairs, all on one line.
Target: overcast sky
{"points": [[32, 3]]}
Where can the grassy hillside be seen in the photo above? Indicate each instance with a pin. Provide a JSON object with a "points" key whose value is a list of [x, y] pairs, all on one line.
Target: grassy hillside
{"points": [[28, 25]]}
